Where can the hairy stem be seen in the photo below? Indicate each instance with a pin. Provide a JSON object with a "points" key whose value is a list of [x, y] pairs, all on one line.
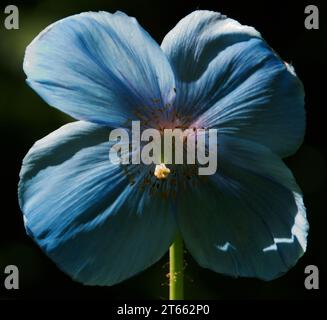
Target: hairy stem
{"points": [[176, 269]]}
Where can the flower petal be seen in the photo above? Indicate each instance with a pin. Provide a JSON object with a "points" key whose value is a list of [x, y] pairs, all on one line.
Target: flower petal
{"points": [[248, 219], [82, 211], [238, 84], [98, 67]]}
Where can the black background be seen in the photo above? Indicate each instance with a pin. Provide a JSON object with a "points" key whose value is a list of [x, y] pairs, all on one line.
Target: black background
{"points": [[25, 118]]}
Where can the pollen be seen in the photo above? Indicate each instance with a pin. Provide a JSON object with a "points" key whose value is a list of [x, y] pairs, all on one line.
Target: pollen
{"points": [[161, 171]]}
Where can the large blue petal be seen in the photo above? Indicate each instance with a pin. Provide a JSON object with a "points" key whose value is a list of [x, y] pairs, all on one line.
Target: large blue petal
{"points": [[83, 212], [227, 77], [249, 218], [99, 67]]}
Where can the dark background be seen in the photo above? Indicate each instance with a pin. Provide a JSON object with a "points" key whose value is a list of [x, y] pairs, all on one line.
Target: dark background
{"points": [[25, 118]]}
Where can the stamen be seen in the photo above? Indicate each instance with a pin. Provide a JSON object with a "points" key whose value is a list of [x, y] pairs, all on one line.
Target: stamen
{"points": [[161, 171]]}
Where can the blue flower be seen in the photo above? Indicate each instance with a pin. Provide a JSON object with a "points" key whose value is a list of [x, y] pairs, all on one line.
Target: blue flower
{"points": [[102, 223]]}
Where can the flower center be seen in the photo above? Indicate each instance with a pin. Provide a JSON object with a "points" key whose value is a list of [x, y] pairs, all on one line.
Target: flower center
{"points": [[181, 175], [161, 171]]}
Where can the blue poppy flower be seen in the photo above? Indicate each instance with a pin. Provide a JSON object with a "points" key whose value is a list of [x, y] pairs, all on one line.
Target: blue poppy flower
{"points": [[101, 223]]}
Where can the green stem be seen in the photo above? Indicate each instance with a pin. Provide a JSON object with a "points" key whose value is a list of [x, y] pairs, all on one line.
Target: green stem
{"points": [[176, 269]]}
